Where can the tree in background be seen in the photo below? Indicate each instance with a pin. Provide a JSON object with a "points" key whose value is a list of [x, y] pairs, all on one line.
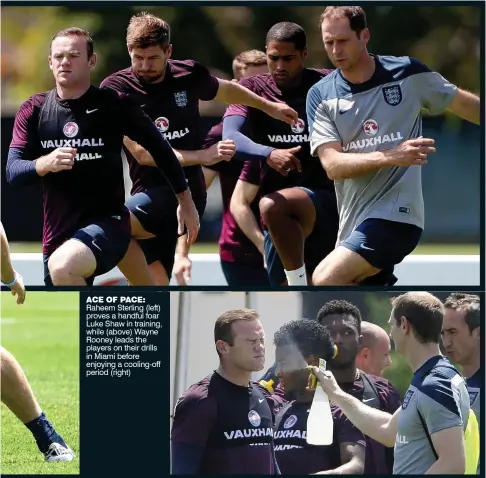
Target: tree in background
{"points": [[444, 37]]}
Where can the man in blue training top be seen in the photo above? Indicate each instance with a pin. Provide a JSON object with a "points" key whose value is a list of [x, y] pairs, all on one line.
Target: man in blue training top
{"points": [[365, 126]]}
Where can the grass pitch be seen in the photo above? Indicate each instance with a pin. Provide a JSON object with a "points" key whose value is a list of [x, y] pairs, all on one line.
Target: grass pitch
{"points": [[43, 335]]}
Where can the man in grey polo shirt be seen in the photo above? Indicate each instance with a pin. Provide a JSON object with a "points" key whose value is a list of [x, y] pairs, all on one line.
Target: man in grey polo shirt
{"points": [[461, 338], [427, 431], [365, 126]]}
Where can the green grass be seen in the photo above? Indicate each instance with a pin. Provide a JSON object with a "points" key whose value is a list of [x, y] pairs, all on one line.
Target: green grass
{"points": [[43, 335], [450, 249]]}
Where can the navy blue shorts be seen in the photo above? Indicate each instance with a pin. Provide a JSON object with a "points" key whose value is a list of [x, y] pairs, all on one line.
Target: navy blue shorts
{"points": [[383, 244], [108, 239], [156, 209], [318, 245], [241, 274]]}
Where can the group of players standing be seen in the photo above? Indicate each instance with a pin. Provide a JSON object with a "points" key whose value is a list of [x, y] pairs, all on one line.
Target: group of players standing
{"points": [[227, 424], [284, 209]]}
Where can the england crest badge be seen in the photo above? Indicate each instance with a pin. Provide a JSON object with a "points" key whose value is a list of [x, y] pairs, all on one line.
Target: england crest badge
{"points": [[180, 99], [392, 94]]}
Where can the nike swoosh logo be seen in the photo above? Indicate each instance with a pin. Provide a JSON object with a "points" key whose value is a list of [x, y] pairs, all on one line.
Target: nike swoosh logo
{"points": [[138, 208], [91, 111], [260, 400], [367, 400], [96, 245], [346, 106], [301, 275], [366, 248]]}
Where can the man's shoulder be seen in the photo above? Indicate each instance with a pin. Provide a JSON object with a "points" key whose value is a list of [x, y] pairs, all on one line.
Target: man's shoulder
{"points": [[196, 395], [401, 67], [319, 73], [35, 101], [387, 391], [258, 83], [185, 68], [325, 88], [121, 80], [379, 382], [442, 384]]}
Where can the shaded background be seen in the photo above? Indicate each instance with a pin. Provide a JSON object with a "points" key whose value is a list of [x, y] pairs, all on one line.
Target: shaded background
{"points": [[446, 38]]}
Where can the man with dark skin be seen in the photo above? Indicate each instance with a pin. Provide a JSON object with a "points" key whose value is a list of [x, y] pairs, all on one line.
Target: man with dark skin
{"points": [[343, 320]]}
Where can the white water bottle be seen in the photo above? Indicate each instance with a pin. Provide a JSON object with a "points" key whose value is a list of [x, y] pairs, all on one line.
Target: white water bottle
{"points": [[320, 425]]}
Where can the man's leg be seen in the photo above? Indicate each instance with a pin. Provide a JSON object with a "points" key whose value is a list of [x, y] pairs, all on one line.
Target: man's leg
{"points": [[275, 269], [134, 266], [241, 274], [92, 251], [153, 215], [369, 254], [71, 264], [342, 267], [18, 396], [290, 216]]}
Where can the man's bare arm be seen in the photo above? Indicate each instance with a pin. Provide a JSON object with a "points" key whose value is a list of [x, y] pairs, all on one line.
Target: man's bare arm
{"points": [[467, 106], [243, 195], [340, 165]]}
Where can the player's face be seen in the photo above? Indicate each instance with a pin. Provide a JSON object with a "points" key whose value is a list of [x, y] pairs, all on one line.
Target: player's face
{"points": [[345, 335], [397, 333], [343, 46], [291, 369], [379, 356], [459, 343], [248, 349], [149, 64], [253, 70], [69, 61], [285, 62]]}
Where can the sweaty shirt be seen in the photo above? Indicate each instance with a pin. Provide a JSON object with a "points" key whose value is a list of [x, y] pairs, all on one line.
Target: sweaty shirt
{"points": [[173, 105], [94, 187], [378, 456], [233, 425], [270, 132], [439, 395], [377, 115], [295, 456]]}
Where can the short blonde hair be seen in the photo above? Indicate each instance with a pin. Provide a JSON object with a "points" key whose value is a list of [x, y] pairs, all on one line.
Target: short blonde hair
{"points": [[248, 58]]}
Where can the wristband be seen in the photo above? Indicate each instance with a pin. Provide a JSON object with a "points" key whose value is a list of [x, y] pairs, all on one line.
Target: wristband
{"points": [[11, 284]]}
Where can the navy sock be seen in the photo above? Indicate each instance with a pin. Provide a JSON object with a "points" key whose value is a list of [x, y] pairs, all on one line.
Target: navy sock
{"points": [[44, 432]]}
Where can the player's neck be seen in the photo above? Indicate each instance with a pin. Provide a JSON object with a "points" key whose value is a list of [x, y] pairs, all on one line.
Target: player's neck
{"points": [[418, 355], [294, 83], [344, 375], [73, 92], [362, 72], [304, 396], [234, 375], [471, 366]]}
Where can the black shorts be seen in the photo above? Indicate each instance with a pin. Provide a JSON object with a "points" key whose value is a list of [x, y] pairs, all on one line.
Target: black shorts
{"points": [[383, 244], [108, 239], [156, 209], [318, 245], [242, 274]]}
